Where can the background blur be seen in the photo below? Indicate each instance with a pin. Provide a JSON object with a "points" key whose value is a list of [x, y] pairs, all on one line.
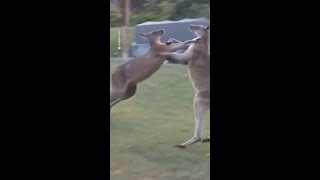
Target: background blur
{"points": [[144, 128], [126, 14], [158, 10]]}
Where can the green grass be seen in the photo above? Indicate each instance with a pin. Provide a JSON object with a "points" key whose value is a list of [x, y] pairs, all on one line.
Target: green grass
{"points": [[145, 127], [114, 51]]}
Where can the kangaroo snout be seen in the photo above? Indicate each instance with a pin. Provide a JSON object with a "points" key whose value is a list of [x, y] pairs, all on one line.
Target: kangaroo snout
{"points": [[161, 31], [192, 27]]}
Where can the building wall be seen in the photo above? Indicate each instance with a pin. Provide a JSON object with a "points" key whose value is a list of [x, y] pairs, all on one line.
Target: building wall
{"points": [[137, 50], [178, 30]]}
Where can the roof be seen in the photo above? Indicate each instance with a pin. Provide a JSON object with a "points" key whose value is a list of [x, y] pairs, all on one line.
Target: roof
{"points": [[174, 29], [169, 22]]}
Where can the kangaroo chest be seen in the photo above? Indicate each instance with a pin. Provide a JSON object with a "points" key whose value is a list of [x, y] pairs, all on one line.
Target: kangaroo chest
{"points": [[199, 72]]}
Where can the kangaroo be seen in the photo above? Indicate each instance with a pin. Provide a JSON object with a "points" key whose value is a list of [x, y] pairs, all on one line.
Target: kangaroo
{"points": [[196, 57], [124, 80]]}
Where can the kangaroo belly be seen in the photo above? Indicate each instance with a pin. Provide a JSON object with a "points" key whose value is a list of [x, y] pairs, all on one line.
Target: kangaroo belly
{"points": [[145, 74], [145, 71], [200, 76]]}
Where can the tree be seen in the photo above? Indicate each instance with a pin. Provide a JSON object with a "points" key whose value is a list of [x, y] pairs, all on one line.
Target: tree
{"points": [[159, 10]]}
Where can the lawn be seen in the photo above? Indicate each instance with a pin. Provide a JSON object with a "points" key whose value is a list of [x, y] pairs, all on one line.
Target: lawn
{"points": [[145, 128]]}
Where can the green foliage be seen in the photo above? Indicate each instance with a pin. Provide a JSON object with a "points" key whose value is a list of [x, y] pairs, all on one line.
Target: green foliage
{"points": [[159, 10], [115, 18]]}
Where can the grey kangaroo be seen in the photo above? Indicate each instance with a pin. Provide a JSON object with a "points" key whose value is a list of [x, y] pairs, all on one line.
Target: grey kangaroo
{"points": [[196, 57], [124, 80]]}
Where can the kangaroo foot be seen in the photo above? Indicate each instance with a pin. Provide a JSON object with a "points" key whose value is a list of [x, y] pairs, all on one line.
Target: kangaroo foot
{"points": [[179, 146], [188, 143], [206, 139]]}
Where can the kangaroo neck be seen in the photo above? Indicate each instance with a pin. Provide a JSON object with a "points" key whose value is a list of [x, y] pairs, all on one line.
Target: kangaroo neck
{"points": [[204, 38], [154, 44]]}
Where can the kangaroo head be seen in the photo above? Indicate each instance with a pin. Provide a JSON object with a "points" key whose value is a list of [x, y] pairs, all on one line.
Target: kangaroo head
{"points": [[199, 30], [153, 36]]}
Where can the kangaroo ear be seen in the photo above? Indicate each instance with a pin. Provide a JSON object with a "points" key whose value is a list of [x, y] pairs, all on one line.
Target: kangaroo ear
{"points": [[143, 35], [207, 28]]}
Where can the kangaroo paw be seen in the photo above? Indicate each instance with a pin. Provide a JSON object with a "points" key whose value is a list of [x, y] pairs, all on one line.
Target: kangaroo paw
{"points": [[195, 40], [168, 43]]}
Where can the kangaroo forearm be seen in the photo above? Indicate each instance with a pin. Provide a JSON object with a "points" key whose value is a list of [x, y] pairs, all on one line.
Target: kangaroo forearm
{"points": [[174, 40], [177, 46], [182, 45], [177, 59], [174, 61]]}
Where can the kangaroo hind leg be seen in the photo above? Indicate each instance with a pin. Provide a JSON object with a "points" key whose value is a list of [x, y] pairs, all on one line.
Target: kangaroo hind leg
{"points": [[115, 95], [201, 106], [130, 91], [207, 139]]}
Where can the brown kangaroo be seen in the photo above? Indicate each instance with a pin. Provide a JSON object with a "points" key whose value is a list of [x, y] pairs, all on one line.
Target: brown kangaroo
{"points": [[196, 56], [124, 80]]}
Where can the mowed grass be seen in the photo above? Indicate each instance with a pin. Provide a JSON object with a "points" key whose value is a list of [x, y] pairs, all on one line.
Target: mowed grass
{"points": [[145, 128]]}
